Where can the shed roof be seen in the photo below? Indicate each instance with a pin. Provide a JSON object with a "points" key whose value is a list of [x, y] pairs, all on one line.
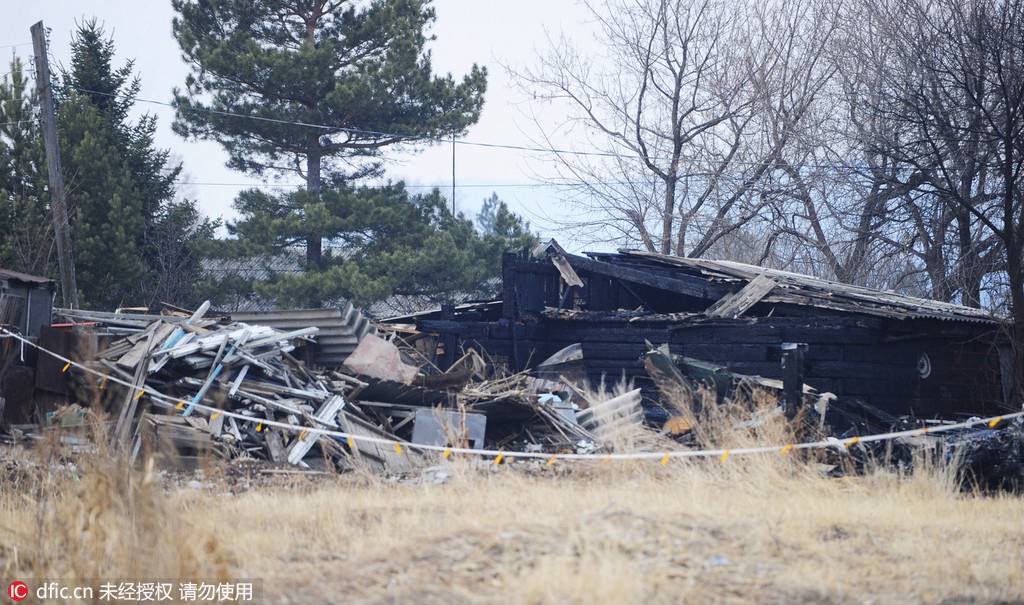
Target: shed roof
{"points": [[7, 274]]}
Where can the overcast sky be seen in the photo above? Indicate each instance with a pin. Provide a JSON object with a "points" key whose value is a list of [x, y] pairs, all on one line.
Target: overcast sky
{"points": [[488, 32]]}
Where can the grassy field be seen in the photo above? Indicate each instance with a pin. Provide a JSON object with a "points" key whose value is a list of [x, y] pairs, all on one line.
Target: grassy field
{"points": [[744, 531]]}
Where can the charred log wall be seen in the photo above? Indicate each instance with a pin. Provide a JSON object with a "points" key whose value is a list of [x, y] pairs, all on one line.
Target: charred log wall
{"points": [[919, 371]]}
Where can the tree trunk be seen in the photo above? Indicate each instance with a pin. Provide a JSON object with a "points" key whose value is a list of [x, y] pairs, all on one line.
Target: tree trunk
{"points": [[970, 273], [1015, 271], [668, 213], [314, 241], [1016, 279]]}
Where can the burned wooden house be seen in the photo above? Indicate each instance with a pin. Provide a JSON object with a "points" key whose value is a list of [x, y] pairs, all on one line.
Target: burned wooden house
{"points": [[900, 354]]}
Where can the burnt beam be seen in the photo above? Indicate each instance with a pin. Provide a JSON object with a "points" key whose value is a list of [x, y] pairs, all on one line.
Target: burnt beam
{"points": [[687, 285]]}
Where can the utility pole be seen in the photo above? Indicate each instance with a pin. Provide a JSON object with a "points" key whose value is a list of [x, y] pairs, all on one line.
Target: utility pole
{"points": [[58, 208], [453, 174]]}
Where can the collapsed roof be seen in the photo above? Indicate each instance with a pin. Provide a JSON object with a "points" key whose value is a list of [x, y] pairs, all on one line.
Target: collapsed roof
{"points": [[731, 287]]}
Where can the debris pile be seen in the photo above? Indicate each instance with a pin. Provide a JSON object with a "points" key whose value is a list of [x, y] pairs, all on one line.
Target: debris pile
{"points": [[206, 384], [188, 384]]}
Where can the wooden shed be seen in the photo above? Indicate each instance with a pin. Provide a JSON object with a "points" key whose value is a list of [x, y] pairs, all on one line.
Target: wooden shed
{"points": [[26, 301], [902, 354], [26, 306]]}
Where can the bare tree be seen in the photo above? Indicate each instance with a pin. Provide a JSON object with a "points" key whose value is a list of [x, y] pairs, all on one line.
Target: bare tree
{"points": [[950, 97], [691, 110]]}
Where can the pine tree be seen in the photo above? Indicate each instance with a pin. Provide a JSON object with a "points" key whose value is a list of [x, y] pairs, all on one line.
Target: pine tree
{"points": [[500, 230], [357, 69], [124, 216], [26, 240], [385, 242]]}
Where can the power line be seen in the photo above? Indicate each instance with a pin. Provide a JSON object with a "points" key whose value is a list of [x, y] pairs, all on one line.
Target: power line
{"points": [[395, 135], [377, 133], [455, 141], [415, 186], [554, 150]]}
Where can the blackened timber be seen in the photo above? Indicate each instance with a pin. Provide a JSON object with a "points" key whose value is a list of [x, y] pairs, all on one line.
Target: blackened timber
{"points": [[792, 376], [680, 284]]}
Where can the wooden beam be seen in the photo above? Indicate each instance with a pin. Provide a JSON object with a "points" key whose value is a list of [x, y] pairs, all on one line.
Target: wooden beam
{"points": [[733, 305]]}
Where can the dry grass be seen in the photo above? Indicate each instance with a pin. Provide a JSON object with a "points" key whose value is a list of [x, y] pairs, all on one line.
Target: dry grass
{"points": [[742, 531], [763, 530]]}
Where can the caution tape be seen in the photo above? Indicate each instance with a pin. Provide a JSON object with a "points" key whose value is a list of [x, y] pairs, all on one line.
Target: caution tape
{"points": [[723, 454]]}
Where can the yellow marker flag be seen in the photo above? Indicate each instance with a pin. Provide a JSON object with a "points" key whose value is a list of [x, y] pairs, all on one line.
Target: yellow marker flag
{"points": [[447, 453], [215, 416], [995, 422], [551, 460], [181, 405], [501, 456], [351, 443], [852, 441], [398, 448], [141, 393], [724, 456], [66, 367], [664, 459], [259, 427], [786, 449]]}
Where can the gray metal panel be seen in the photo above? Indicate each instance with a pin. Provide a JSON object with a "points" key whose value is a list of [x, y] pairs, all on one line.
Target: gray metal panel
{"points": [[341, 328]]}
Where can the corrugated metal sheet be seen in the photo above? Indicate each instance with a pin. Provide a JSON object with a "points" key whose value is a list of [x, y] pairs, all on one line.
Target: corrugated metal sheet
{"points": [[341, 328]]}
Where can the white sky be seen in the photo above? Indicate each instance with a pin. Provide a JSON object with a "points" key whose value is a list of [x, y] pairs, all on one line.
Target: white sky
{"points": [[488, 32]]}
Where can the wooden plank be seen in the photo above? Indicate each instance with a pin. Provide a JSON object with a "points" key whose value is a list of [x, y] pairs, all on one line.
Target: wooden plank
{"points": [[383, 454], [302, 445], [568, 274], [127, 412], [216, 368], [216, 426], [131, 359], [275, 445], [238, 380], [733, 305]]}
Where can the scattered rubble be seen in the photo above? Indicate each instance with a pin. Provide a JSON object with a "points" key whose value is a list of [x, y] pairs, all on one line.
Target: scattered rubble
{"points": [[189, 367]]}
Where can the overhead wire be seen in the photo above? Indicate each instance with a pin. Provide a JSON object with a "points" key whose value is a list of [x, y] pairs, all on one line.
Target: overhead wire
{"points": [[467, 142], [440, 140]]}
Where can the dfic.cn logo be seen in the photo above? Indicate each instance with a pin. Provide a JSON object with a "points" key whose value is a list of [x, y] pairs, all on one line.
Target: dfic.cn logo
{"points": [[17, 590]]}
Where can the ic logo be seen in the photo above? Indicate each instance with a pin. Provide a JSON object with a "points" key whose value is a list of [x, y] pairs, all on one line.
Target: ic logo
{"points": [[17, 591]]}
